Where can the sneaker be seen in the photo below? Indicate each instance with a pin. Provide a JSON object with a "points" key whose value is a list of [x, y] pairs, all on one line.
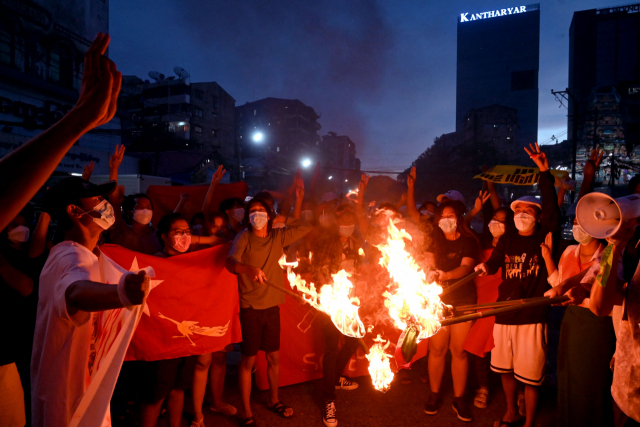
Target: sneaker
{"points": [[346, 384], [462, 409], [433, 401], [329, 417], [482, 396]]}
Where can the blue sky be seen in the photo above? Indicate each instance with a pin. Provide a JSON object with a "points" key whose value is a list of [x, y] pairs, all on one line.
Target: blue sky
{"points": [[381, 72]]}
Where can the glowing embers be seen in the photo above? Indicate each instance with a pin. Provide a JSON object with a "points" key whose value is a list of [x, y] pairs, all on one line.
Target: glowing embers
{"points": [[410, 299], [379, 366], [333, 299]]}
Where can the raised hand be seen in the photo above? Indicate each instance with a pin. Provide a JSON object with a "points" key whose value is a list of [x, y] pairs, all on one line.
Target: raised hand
{"points": [[411, 178], [136, 286], [483, 196], [547, 246], [116, 157], [362, 185], [184, 197], [592, 165], [217, 175], [88, 170], [100, 86], [538, 157]]}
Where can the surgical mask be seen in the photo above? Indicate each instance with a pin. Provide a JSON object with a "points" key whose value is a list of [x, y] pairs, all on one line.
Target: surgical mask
{"points": [[448, 225], [307, 215], [325, 220], [142, 216], [107, 217], [20, 234], [524, 221], [346, 230], [238, 214], [496, 228], [581, 236], [258, 220], [182, 243], [197, 230], [427, 213]]}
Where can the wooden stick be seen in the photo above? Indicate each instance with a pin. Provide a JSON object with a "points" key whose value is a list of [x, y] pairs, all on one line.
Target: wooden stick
{"points": [[496, 304], [504, 310], [460, 282]]}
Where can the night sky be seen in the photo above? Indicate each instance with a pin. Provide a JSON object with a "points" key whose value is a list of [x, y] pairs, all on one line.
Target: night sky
{"points": [[383, 73]]}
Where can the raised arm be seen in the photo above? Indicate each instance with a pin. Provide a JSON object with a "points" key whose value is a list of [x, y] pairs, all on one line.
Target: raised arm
{"points": [[363, 224], [87, 170], [589, 172], [547, 255], [299, 192], [85, 295], [550, 211], [412, 209], [115, 161], [482, 198], [215, 180], [39, 239], [17, 280], [183, 199], [26, 169]]}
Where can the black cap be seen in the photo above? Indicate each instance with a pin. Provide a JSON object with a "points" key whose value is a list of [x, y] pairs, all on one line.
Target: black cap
{"points": [[70, 190]]}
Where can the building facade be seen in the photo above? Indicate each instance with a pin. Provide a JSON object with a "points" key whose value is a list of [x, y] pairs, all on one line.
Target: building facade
{"points": [[42, 46], [494, 125], [498, 62], [339, 162]]}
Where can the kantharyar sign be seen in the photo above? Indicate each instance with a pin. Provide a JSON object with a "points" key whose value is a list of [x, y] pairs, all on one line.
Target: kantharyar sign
{"points": [[518, 175], [467, 17]]}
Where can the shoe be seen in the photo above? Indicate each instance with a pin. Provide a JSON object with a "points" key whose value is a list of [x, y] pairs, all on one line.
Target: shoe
{"points": [[329, 416], [482, 396], [346, 384], [462, 409], [226, 409], [433, 401], [522, 408]]}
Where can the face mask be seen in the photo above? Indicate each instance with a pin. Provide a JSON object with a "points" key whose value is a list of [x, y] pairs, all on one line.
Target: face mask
{"points": [[325, 220], [428, 214], [346, 230], [524, 222], [197, 230], [238, 214], [307, 215], [107, 217], [182, 243], [496, 228], [448, 225], [142, 216], [581, 236], [258, 220], [20, 234]]}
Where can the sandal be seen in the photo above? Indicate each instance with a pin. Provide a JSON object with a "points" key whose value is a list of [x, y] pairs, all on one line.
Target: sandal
{"points": [[227, 409], [482, 396], [280, 409], [247, 422], [200, 423]]}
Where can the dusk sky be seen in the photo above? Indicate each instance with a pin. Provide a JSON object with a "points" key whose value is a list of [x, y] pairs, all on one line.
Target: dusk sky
{"points": [[383, 73]]}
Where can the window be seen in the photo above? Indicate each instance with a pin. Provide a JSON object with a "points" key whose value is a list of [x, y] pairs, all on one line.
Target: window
{"points": [[197, 112], [6, 47], [198, 94], [197, 130], [61, 65], [214, 133]]}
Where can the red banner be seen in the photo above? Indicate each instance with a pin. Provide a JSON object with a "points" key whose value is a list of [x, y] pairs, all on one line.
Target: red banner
{"points": [[166, 198], [192, 308]]}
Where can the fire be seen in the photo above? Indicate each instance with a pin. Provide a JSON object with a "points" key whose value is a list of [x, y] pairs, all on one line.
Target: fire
{"points": [[379, 366], [333, 299], [410, 299]]}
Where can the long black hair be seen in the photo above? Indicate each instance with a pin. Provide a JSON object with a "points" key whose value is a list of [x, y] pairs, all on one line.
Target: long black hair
{"points": [[164, 226], [247, 222], [461, 225]]}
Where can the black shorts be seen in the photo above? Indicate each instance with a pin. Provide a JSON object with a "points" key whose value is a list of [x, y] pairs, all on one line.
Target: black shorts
{"points": [[162, 376], [260, 330]]}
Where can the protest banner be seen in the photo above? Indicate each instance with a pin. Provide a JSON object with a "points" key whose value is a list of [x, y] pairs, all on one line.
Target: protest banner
{"points": [[518, 175]]}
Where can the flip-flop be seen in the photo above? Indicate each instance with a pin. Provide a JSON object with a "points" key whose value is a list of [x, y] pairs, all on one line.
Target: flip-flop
{"points": [[225, 410], [248, 422], [280, 409]]}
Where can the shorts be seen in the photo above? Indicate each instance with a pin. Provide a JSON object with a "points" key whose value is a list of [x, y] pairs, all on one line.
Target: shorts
{"points": [[521, 349], [260, 330], [162, 376], [12, 412]]}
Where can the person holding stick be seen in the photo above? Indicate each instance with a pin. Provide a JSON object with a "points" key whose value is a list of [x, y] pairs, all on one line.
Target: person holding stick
{"points": [[254, 257], [520, 337]]}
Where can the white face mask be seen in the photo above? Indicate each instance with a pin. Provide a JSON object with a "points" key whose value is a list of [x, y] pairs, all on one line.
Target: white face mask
{"points": [[182, 243], [20, 234], [307, 215], [196, 230], [581, 236], [142, 216], [524, 222], [258, 220], [107, 217], [346, 230], [496, 228], [238, 214], [448, 225]]}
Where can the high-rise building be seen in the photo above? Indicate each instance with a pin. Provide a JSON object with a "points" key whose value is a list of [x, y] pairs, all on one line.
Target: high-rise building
{"points": [[498, 61]]}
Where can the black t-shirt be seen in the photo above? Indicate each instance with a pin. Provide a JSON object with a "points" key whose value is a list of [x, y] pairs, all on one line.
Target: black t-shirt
{"points": [[449, 255]]}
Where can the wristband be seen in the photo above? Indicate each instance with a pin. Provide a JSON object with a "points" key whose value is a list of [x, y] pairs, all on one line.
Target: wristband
{"points": [[122, 293]]}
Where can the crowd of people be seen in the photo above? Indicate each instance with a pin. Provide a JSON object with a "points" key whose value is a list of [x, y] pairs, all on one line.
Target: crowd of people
{"points": [[50, 285]]}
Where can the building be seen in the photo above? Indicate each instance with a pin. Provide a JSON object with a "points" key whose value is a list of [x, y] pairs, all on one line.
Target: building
{"points": [[496, 126], [339, 162], [275, 136], [498, 62], [42, 46], [604, 88]]}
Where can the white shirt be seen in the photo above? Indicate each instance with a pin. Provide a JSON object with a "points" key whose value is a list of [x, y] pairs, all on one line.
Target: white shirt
{"points": [[61, 362]]}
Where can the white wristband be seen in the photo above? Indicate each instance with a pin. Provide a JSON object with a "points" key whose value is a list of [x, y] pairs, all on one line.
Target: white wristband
{"points": [[122, 294]]}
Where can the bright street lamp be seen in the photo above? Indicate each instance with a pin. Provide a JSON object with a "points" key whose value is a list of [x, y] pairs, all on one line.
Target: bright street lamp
{"points": [[257, 137], [306, 163]]}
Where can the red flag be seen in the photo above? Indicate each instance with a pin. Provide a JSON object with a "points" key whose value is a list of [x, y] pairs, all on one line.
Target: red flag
{"points": [[192, 307]]}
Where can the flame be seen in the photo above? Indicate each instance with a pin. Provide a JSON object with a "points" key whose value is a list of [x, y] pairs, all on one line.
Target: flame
{"points": [[360, 252], [379, 366], [410, 299], [333, 299]]}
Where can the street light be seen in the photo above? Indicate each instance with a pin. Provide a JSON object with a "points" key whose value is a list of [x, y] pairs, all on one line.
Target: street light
{"points": [[331, 177], [306, 163], [258, 136]]}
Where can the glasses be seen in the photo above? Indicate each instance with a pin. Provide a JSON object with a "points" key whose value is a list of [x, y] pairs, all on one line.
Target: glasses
{"points": [[180, 232]]}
